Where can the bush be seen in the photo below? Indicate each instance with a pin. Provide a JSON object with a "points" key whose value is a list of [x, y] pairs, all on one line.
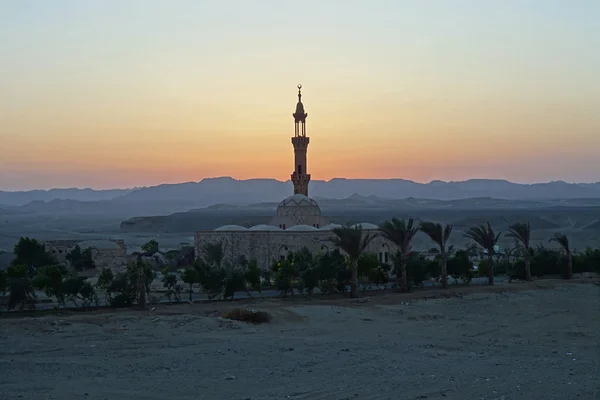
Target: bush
{"points": [[285, 273], [20, 289], [460, 266], [212, 278], [252, 275], [247, 315]]}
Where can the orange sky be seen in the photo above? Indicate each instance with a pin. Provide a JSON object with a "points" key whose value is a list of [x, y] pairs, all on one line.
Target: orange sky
{"points": [[96, 97]]}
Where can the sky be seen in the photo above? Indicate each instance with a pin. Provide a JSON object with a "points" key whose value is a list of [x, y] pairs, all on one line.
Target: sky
{"points": [[124, 93]]}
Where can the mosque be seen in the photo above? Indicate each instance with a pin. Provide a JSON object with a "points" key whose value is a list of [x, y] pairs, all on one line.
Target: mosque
{"points": [[297, 223]]}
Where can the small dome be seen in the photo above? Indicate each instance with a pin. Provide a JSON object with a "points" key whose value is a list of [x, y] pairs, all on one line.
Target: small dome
{"points": [[264, 228], [298, 205], [330, 227], [302, 228], [231, 228], [366, 226]]}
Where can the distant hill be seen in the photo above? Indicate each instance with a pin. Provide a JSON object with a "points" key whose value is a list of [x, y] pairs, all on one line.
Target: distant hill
{"points": [[21, 198], [231, 191], [463, 213]]}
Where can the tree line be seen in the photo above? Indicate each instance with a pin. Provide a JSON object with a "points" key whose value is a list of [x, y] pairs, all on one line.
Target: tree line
{"points": [[350, 265]]}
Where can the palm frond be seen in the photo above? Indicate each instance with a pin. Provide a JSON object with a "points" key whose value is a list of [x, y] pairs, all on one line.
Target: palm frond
{"points": [[351, 240], [484, 236], [562, 240], [521, 232], [437, 233], [399, 232], [447, 232]]}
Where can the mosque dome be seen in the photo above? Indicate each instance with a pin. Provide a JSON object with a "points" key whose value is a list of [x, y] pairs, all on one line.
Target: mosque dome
{"points": [[302, 228], [264, 227], [298, 205], [330, 227], [231, 228], [365, 226]]}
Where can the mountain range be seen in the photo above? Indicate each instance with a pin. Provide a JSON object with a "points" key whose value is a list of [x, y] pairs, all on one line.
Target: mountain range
{"points": [[168, 198]]}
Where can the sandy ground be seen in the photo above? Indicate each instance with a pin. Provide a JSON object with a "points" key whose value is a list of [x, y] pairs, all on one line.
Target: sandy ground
{"points": [[515, 341]]}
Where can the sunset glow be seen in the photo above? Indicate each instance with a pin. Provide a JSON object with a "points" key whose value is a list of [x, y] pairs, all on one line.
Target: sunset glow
{"points": [[121, 94]]}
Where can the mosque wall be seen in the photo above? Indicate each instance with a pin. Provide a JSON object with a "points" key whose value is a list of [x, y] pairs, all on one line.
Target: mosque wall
{"points": [[266, 246]]}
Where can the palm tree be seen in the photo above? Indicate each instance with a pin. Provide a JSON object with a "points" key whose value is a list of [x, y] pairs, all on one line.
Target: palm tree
{"points": [[485, 237], [353, 242], [440, 235], [521, 232], [401, 233], [563, 241]]}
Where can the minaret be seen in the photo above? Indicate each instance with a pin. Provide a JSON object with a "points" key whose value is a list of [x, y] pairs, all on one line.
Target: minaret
{"points": [[300, 141]]}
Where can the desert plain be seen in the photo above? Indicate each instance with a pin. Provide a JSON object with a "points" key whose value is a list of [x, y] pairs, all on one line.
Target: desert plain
{"points": [[537, 340]]}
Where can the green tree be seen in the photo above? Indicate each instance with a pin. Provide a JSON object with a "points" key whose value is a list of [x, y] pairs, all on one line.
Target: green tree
{"points": [[440, 235], [332, 271], [563, 242], [460, 266], [213, 253], [32, 254], [353, 241], [252, 276], [190, 276], [307, 266], [3, 283], [81, 260], [151, 247], [21, 291], [235, 281], [485, 237], [122, 288], [76, 288], [521, 232], [105, 280], [141, 275], [211, 277], [371, 271], [51, 280], [285, 273], [170, 283], [401, 233]]}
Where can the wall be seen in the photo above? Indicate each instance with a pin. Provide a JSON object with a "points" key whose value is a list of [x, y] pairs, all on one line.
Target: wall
{"points": [[112, 256], [266, 246]]}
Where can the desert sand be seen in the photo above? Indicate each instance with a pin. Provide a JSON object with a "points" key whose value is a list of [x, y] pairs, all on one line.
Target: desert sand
{"points": [[514, 341]]}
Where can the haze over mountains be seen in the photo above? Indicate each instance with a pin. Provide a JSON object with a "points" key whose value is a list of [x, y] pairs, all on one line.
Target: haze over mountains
{"points": [[227, 190], [174, 211]]}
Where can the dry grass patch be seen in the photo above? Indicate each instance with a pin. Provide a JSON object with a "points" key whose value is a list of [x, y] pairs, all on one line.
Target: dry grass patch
{"points": [[247, 315]]}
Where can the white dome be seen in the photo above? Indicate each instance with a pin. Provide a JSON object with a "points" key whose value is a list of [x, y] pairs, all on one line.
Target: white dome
{"points": [[231, 228], [366, 226], [301, 228], [264, 228], [298, 205], [330, 227]]}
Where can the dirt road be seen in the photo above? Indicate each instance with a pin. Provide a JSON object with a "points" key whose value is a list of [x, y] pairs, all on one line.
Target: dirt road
{"points": [[481, 343]]}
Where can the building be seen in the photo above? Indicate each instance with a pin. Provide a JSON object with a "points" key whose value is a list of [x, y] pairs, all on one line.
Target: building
{"points": [[105, 253], [297, 223]]}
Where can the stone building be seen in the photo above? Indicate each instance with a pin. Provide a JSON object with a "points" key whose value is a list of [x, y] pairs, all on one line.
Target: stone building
{"points": [[105, 253], [297, 222]]}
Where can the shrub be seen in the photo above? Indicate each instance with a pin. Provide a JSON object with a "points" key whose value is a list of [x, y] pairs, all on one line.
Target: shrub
{"points": [[20, 288], [460, 266], [247, 315], [285, 273], [252, 276], [212, 278], [235, 281]]}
